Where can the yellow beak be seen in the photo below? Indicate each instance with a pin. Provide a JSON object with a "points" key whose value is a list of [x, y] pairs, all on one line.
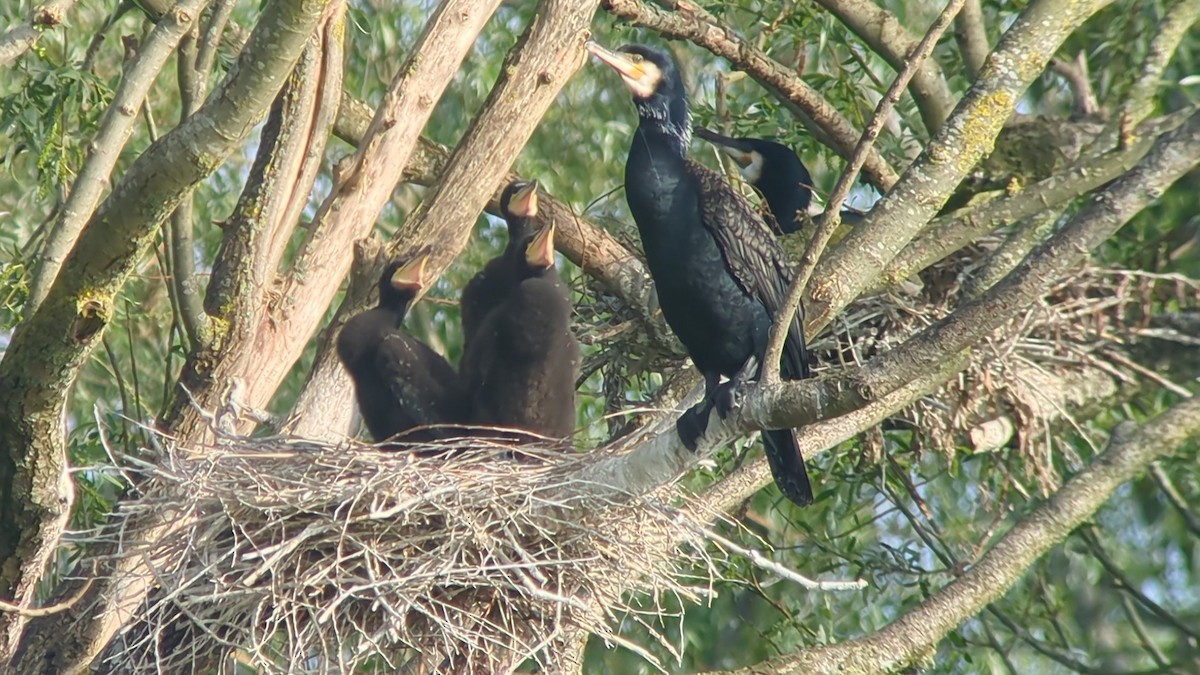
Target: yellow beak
{"points": [[411, 274], [616, 60], [540, 252]]}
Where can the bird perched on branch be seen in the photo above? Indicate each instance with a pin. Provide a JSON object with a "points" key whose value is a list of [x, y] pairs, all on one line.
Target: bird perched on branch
{"points": [[521, 361], [720, 274], [400, 383], [778, 174]]}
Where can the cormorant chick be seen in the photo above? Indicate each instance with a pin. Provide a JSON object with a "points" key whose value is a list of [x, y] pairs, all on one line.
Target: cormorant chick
{"points": [[492, 284], [522, 362], [720, 274], [778, 174], [399, 382]]}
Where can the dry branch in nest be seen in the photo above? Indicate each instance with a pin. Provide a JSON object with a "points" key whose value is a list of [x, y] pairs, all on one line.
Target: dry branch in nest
{"points": [[305, 556]]}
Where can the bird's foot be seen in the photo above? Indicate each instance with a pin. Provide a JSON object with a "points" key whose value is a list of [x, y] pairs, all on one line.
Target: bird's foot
{"points": [[730, 395], [728, 398], [691, 426]]}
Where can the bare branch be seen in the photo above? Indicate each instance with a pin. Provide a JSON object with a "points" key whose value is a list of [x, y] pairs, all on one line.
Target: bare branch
{"points": [[950, 233], [884, 34], [1076, 74], [1169, 32], [1176, 499], [691, 22], [193, 88], [1010, 254], [48, 349], [921, 629], [833, 207], [325, 406], [1172, 156], [971, 34], [20, 39], [48, 609], [291, 150], [361, 189], [962, 142], [105, 148]]}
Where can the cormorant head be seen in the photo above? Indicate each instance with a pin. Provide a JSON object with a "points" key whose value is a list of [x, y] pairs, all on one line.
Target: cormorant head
{"points": [[655, 82], [401, 281], [539, 251], [519, 199], [772, 168]]}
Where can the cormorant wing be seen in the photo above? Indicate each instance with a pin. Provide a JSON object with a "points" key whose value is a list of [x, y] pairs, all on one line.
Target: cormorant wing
{"points": [[414, 376], [751, 252]]}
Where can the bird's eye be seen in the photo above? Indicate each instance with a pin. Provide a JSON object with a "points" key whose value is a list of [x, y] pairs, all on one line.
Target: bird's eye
{"points": [[636, 58]]}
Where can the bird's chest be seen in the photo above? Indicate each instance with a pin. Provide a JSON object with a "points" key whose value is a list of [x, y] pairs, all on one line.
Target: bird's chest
{"points": [[701, 302]]}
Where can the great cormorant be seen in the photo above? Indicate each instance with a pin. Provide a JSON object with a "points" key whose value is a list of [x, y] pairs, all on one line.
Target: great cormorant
{"points": [[399, 382], [778, 174], [521, 364], [492, 284], [720, 274]]}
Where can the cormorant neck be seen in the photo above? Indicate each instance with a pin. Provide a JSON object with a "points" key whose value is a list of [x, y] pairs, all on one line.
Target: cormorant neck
{"points": [[667, 117], [397, 306], [785, 209], [518, 229]]}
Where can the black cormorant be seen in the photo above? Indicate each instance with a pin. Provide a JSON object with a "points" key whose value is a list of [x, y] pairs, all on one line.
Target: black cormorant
{"points": [[719, 272], [488, 288], [521, 364], [778, 174], [399, 382]]}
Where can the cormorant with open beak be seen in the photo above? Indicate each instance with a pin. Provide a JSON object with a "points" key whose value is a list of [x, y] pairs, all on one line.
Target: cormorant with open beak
{"points": [[492, 284], [399, 382], [521, 364]]}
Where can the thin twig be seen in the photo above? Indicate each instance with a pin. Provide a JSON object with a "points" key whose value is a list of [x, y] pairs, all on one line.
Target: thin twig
{"points": [[832, 217], [49, 609]]}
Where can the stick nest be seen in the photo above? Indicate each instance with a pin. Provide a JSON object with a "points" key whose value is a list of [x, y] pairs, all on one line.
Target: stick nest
{"points": [[293, 555]]}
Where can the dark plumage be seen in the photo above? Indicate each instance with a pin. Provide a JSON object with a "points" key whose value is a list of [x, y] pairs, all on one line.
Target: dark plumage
{"points": [[775, 171], [778, 174], [522, 360], [492, 284], [720, 274], [399, 382]]}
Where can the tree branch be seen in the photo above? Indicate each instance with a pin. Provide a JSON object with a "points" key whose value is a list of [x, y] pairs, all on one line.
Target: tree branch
{"points": [[828, 433], [291, 150], [1169, 32], [49, 348], [950, 233], [1075, 72], [105, 148], [1172, 156], [193, 89], [971, 34], [966, 137], [361, 188], [20, 39], [690, 22], [832, 217], [885, 35], [918, 632]]}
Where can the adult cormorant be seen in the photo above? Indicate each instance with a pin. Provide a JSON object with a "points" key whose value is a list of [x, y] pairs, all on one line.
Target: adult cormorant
{"points": [[399, 382], [720, 274], [778, 174], [521, 364], [488, 288], [775, 171]]}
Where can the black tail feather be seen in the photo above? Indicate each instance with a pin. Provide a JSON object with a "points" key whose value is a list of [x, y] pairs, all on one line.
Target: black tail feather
{"points": [[787, 466]]}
